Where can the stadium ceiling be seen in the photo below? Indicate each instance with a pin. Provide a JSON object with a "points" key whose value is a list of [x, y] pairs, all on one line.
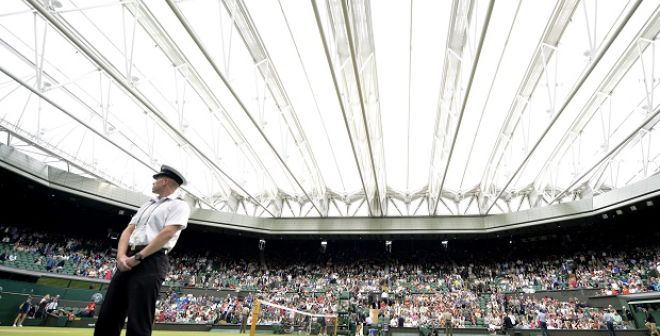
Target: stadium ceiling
{"points": [[283, 108]]}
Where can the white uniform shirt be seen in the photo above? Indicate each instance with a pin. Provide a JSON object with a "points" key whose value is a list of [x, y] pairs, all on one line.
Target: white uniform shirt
{"points": [[153, 216], [52, 305]]}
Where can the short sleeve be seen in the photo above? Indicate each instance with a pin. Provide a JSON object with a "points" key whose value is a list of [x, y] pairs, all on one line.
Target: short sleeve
{"points": [[136, 217], [179, 214]]}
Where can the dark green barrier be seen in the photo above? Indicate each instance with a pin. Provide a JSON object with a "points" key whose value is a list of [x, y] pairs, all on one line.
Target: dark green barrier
{"points": [[39, 289], [315, 329], [278, 329], [9, 303]]}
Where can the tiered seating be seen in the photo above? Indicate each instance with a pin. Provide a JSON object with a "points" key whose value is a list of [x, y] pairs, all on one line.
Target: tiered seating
{"points": [[483, 300], [355, 270]]}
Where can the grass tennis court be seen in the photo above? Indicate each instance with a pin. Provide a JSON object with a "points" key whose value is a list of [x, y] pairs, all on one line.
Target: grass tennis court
{"points": [[25, 331]]}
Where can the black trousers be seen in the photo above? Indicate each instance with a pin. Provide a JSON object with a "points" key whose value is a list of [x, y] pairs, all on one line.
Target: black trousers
{"points": [[449, 328], [243, 324], [133, 294], [610, 328], [544, 328]]}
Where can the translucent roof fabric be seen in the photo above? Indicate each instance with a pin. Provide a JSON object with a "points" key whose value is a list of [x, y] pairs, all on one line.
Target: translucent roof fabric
{"points": [[283, 108]]}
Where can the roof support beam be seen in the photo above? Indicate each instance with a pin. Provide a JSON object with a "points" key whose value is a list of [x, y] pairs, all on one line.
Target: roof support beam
{"points": [[192, 77], [595, 102], [215, 67], [119, 79], [72, 159], [361, 46], [248, 32], [352, 61], [342, 103], [62, 86], [451, 104], [53, 152], [554, 30], [651, 120]]}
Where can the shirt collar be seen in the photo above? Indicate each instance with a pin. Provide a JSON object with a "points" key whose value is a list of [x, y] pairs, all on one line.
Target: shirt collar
{"points": [[171, 196]]}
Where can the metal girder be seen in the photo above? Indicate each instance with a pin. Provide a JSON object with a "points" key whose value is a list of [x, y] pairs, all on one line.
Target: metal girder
{"points": [[119, 79], [314, 96], [349, 51], [52, 151], [600, 168], [410, 49], [340, 99], [356, 87], [489, 94], [62, 86], [82, 123], [215, 67], [551, 36], [600, 96], [641, 172], [192, 76], [260, 56], [354, 42], [651, 120], [72, 159], [451, 103]]}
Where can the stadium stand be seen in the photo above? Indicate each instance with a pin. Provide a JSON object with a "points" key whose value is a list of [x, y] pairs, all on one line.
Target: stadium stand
{"points": [[411, 289]]}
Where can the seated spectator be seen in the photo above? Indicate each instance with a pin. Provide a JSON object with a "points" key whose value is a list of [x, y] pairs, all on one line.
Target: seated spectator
{"points": [[89, 310], [52, 305], [41, 307], [412, 291], [70, 316]]}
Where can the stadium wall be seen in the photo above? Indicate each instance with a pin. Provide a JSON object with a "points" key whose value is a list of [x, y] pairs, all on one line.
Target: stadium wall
{"points": [[58, 179]]}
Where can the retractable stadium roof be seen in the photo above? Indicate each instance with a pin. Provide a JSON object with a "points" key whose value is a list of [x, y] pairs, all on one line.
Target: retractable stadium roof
{"points": [[283, 108]]}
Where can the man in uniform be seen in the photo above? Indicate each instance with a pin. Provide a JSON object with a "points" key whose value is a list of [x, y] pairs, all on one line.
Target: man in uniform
{"points": [[447, 317], [508, 323], [245, 313], [608, 318], [542, 318], [142, 261]]}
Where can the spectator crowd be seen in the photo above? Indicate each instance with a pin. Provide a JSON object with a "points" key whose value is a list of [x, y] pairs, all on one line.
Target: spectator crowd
{"points": [[411, 290]]}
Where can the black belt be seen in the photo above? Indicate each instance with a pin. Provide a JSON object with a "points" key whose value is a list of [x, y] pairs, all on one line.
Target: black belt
{"points": [[133, 249]]}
